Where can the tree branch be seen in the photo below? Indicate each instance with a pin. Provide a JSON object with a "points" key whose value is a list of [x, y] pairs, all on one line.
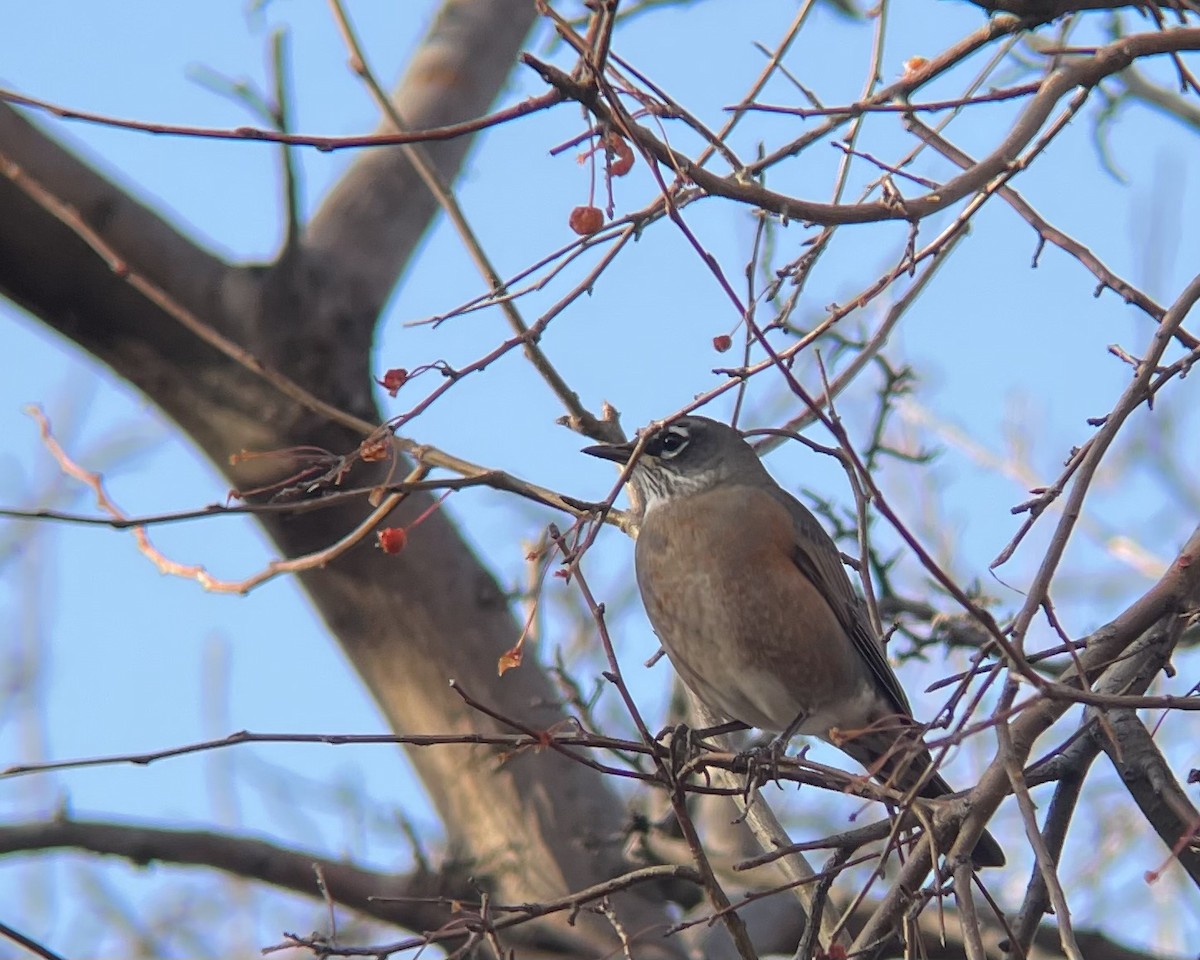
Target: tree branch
{"points": [[427, 900], [252, 859], [1178, 590], [535, 825], [1079, 72], [369, 224], [1149, 780]]}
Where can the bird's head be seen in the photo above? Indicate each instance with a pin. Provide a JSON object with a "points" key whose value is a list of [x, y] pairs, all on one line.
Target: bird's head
{"points": [[686, 456]]}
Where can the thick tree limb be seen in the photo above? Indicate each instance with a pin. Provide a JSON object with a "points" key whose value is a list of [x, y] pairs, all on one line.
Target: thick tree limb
{"points": [[369, 224], [251, 859], [1178, 590], [397, 898], [1153, 787], [422, 901], [1043, 11], [535, 825]]}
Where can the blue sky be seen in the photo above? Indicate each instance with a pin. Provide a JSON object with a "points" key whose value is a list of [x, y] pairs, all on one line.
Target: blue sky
{"points": [[123, 659]]}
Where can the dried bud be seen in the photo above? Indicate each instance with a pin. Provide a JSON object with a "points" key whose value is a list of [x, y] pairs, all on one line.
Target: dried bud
{"points": [[372, 451], [508, 660]]}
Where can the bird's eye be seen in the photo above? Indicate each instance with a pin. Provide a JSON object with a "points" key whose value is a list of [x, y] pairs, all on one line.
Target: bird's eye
{"points": [[672, 442]]}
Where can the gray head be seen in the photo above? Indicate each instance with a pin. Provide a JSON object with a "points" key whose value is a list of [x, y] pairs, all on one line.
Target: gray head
{"points": [[687, 456]]}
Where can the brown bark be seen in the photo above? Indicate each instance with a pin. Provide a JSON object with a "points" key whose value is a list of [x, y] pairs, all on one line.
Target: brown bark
{"points": [[533, 826]]}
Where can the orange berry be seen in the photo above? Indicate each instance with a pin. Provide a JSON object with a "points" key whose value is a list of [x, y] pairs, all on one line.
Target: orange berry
{"points": [[391, 540], [621, 153], [586, 220]]}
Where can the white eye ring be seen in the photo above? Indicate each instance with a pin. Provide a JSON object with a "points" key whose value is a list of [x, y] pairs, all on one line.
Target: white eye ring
{"points": [[673, 442]]}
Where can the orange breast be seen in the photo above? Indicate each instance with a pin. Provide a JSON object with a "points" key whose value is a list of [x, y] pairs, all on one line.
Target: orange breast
{"points": [[747, 631]]}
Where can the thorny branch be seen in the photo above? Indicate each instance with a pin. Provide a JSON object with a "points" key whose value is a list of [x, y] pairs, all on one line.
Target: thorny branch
{"points": [[622, 101]]}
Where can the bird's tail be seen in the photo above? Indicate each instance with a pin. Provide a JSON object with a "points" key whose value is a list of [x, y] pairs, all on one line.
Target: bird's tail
{"points": [[987, 852], [901, 762]]}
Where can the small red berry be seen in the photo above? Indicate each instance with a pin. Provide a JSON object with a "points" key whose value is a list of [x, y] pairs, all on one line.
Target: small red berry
{"points": [[586, 220], [391, 540], [393, 380], [722, 342]]}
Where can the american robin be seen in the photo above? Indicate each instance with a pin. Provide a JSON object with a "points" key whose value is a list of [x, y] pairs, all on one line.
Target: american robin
{"points": [[749, 597]]}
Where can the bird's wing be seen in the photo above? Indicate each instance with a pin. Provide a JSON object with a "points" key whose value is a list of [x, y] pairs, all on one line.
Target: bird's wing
{"points": [[818, 558]]}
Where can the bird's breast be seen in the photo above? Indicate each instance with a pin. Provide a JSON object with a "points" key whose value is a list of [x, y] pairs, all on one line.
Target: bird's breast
{"points": [[747, 631]]}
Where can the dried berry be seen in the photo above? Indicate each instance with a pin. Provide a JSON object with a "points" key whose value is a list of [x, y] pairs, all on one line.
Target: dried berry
{"points": [[620, 155], [393, 380], [586, 220]]}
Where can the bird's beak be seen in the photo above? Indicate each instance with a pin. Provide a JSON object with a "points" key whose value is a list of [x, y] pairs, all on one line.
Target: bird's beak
{"points": [[617, 452]]}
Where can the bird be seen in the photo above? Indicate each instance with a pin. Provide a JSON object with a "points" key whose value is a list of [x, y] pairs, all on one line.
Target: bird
{"points": [[750, 599]]}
